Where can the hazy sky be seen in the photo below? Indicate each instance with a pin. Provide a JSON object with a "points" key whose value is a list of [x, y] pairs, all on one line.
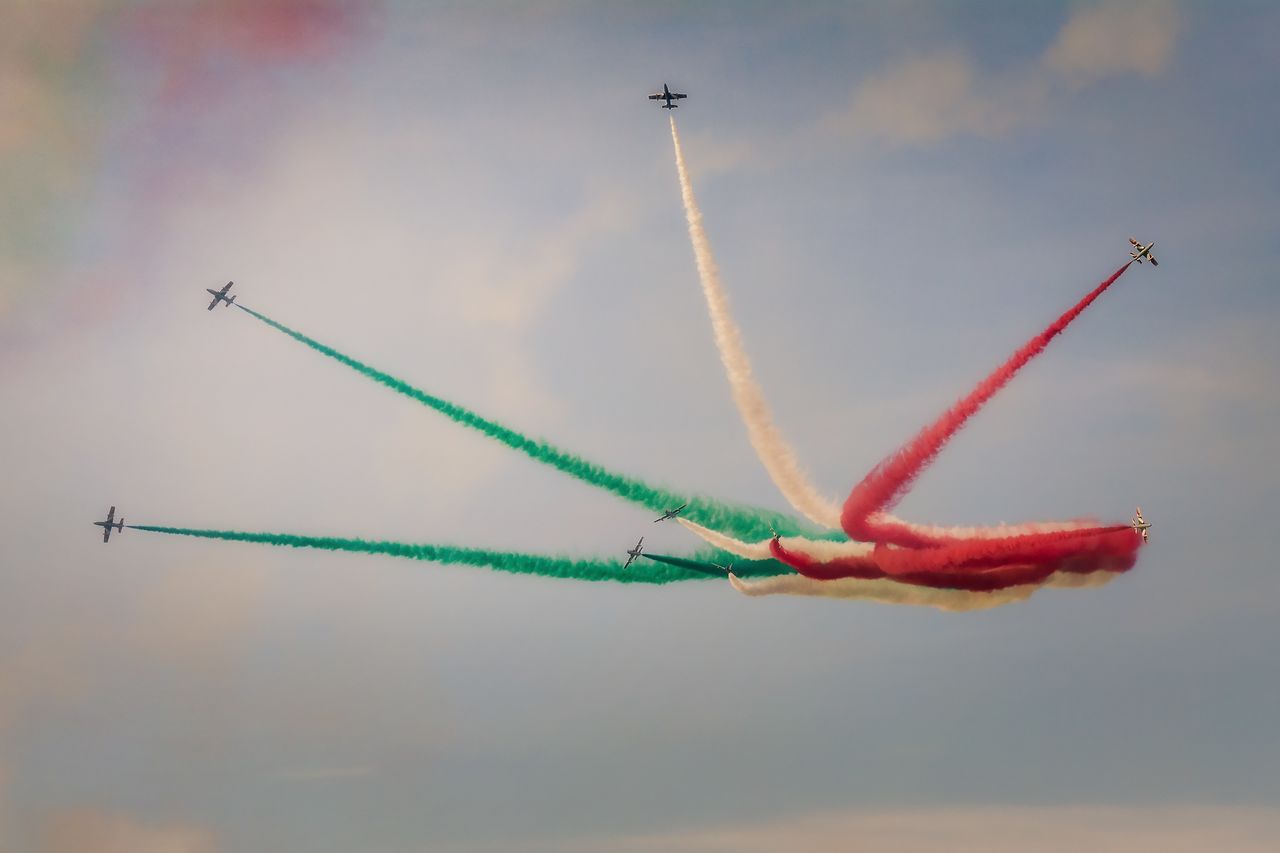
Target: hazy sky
{"points": [[479, 199]]}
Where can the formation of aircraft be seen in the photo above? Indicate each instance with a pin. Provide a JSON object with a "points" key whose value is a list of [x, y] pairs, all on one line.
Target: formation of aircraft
{"points": [[1141, 252], [1140, 524], [634, 554], [110, 523], [671, 513], [668, 96], [221, 295]]}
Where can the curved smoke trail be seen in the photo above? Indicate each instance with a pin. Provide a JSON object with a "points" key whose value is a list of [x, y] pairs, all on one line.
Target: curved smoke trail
{"points": [[742, 520], [774, 453], [777, 457], [863, 514], [659, 572]]}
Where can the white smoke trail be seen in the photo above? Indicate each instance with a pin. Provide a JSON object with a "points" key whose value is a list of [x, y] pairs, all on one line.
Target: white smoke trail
{"points": [[775, 454], [816, 549], [746, 550], [893, 592], [882, 591]]}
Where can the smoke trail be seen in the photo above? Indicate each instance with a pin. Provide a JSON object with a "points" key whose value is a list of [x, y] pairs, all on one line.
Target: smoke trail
{"points": [[892, 592], [502, 561], [775, 454], [977, 565], [748, 550], [711, 569], [881, 489], [883, 592], [771, 448], [742, 520], [992, 553]]}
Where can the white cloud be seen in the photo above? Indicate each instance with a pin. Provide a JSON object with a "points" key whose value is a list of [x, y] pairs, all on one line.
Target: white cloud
{"points": [[922, 100], [1136, 36]]}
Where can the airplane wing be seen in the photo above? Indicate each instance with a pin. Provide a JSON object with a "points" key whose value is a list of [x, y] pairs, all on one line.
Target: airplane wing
{"points": [[106, 533], [214, 303], [656, 97], [1153, 260], [1133, 241], [678, 95]]}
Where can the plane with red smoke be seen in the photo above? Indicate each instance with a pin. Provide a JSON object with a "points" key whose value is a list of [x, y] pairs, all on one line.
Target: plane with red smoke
{"points": [[1141, 252], [1140, 524]]}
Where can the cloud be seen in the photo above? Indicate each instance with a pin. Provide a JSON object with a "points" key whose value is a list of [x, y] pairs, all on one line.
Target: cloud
{"points": [[93, 831], [925, 99], [995, 829], [1114, 38]]}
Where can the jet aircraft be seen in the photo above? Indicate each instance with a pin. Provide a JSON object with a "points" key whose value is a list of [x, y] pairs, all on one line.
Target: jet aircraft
{"points": [[109, 524], [1141, 252], [634, 554], [671, 513], [221, 295], [668, 96], [1140, 524]]}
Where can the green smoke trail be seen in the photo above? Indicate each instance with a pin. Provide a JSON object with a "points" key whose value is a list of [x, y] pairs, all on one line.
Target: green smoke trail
{"points": [[742, 522], [502, 561], [705, 568]]}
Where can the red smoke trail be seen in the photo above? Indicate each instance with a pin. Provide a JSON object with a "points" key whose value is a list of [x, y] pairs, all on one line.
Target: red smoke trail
{"points": [[992, 553], [980, 566], [881, 489]]}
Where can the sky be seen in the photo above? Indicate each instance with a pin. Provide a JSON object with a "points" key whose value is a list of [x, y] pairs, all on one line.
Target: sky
{"points": [[478, 198]]}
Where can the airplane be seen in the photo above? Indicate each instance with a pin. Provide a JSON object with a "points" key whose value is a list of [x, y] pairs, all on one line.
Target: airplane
{"points": [[726, 569], [671, 513], [110, 523], [668, 96], [1140, 524], [1141, 252], [634, 554], [221, 295]]}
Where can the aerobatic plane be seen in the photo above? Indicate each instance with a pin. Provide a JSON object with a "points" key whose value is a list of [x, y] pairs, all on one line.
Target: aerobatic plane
{"points": [[668, 96], [726, 569], [109, 524], [221, 295], [671, 513], [634, 554], [1140, 524], [1141, 252]]}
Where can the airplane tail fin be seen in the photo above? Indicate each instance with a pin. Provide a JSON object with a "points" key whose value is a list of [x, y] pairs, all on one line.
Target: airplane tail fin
{"points": [[231, 299]]}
